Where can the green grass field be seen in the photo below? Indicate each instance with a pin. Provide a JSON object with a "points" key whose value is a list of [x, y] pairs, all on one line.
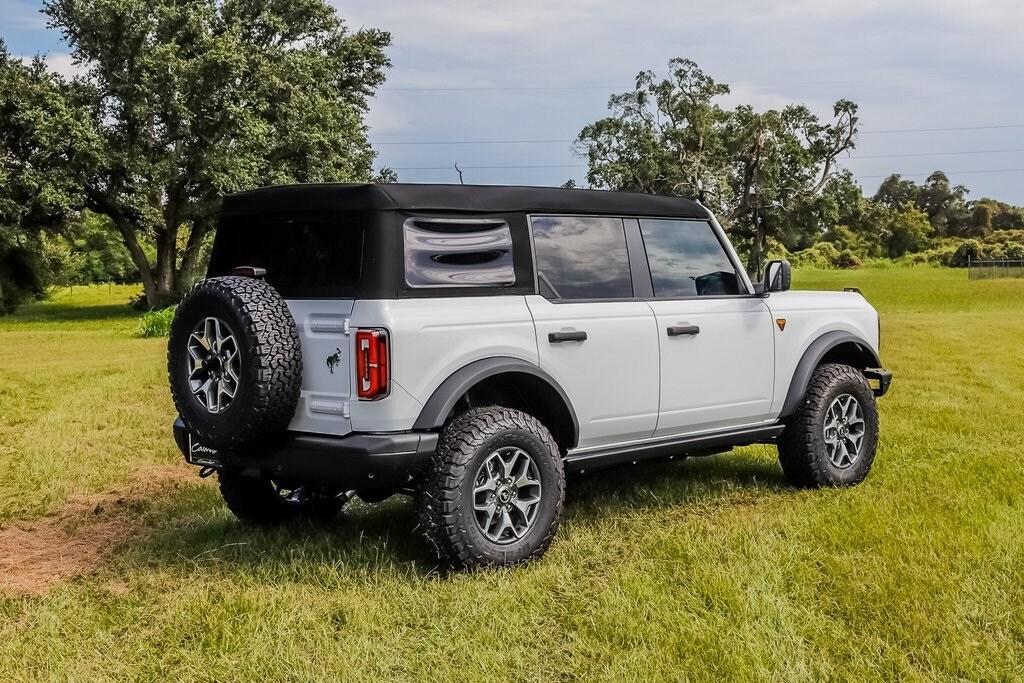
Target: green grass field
{"points": [[120, 564]]}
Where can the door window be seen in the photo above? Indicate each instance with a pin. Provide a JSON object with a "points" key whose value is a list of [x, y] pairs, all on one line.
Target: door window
{"points": [[581, 257], [687, 259]]}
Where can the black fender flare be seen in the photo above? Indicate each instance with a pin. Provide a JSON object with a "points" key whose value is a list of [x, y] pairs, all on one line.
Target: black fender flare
{"points": [[440, 404], [812, 358]]}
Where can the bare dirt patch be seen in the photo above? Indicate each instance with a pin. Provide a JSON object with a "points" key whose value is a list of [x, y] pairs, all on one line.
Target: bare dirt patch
{"points": [[38, 554]]}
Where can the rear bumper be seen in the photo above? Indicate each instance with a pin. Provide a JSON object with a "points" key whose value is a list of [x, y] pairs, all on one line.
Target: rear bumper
{"points": [[353, 461], [879, 380]]}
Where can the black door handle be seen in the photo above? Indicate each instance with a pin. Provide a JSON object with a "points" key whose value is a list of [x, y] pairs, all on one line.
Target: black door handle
{"points": [[559, 337], [677, 330]]}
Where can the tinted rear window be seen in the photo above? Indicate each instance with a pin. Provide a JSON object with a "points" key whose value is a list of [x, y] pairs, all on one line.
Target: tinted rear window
{"points": [[305, 256]]}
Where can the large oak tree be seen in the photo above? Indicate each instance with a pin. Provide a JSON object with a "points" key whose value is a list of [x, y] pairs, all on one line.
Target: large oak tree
{"points": [[762, 172], [187, 100]]}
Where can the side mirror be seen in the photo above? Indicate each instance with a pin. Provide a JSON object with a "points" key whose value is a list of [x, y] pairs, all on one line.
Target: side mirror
{"points": [[778, 276]]}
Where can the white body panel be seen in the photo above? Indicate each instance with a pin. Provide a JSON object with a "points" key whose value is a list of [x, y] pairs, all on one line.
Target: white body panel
{"points": [[723, 376], [612, 377], [323, 403], [809, 315], [430, 340]]}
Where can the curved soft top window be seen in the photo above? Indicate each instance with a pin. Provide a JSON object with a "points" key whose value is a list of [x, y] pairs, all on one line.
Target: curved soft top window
{"points": [[456, 252]]}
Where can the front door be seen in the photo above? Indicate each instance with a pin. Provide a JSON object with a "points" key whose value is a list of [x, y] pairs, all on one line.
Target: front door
{"points": [[596, 340], [715, 338]]}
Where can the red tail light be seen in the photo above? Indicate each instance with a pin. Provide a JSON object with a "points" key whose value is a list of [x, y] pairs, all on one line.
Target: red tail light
{"points": [[372, 371]]}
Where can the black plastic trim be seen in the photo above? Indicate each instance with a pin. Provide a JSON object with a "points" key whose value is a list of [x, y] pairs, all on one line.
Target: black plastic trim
{"points": [[639, 268], [812, 358], [883, 377], [440, 404], [671, 447], [357, 461]]}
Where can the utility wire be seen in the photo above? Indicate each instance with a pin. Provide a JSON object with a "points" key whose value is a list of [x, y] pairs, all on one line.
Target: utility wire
{"points": [[533, 166], [862, 156], [622, 87], [562, 140]]}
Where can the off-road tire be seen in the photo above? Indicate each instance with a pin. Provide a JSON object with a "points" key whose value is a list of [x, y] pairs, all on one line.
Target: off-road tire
{"points": [[802, 451], [270, 368], [446, 500], [253, 500]]}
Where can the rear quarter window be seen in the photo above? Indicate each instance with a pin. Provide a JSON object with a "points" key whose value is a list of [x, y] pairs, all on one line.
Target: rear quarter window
{"points": [[305, 255]]}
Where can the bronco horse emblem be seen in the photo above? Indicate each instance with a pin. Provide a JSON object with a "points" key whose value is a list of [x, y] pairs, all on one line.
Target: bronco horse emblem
{"points": [[334, 360]]}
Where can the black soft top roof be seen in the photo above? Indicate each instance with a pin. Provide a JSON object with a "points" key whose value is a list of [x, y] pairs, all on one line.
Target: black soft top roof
{"points": [[455, 198]]}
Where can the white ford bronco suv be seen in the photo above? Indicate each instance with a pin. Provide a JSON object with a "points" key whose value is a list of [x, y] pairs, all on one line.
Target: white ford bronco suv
{"points": [[472, 345]]}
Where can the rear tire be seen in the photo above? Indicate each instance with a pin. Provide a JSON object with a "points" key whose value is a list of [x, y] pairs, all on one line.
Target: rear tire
{"points": [[252, 355], [832, 438], [495, 489], [262, 502]]}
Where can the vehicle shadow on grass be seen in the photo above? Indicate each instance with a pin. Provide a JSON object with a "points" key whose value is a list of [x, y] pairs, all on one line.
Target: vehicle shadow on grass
{"points": [[54, 312], [192, 531]]}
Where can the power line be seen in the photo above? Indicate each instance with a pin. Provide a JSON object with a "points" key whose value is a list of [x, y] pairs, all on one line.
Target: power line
{"points": [[621, 87], [864, 156], [562, 140], [940, 130], [529, 166], [480, 168], [469, 142], [935, 154], [536, 166], [928, 173]]}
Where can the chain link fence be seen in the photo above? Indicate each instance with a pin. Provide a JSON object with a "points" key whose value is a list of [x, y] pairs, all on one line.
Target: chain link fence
{"points": [[983, 269]]}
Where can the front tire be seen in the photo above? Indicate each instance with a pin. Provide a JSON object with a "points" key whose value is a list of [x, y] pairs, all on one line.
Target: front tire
{"points": [[832, 438], [495, 490]]}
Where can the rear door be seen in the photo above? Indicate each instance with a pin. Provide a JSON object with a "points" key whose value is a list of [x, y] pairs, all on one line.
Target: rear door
{"points": [[594, 336], [326, 365], [715, 337]]}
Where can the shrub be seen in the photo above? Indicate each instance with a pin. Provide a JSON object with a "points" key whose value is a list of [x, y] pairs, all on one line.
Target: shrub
{"points": [[20, 278], [156, 323], [822, 256], [847, 259]]}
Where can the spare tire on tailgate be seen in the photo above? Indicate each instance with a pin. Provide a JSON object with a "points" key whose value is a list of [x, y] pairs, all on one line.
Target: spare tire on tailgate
{"points": [[235, 362]]}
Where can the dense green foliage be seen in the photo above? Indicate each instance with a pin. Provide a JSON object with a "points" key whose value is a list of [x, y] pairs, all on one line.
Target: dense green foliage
{"points": [[87, 252], [20, 271], [45, 144], [178, 104], [708, 569]]}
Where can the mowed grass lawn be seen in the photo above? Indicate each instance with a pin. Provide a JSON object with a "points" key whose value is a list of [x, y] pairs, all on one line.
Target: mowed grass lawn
{"points": [[709, 568]]}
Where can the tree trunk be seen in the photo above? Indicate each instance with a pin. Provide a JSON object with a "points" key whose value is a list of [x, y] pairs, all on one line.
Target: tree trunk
{"points": [[166, 255], [757, 247], [131, 243], [190, 257]]}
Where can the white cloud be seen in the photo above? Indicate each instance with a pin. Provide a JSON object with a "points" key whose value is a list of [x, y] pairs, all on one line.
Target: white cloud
{"points": [[63, 64], [59, 63]]}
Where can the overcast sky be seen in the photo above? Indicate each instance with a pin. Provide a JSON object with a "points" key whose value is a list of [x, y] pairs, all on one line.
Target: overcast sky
{"points": [[538, 70]]}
